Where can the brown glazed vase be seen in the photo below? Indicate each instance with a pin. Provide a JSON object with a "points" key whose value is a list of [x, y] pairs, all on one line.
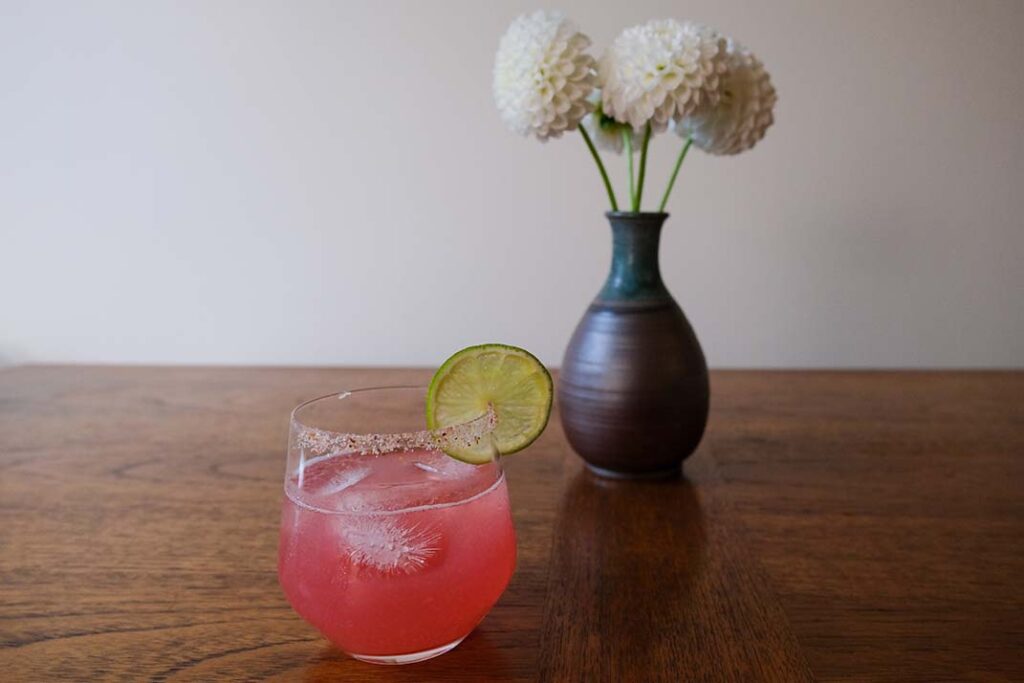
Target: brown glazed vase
{"points": [[633, 391]]}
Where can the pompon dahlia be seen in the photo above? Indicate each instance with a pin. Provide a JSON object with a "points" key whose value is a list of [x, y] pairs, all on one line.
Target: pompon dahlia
{"points": [[661, 70], [542, 75], [605, 131], [744, 109]]}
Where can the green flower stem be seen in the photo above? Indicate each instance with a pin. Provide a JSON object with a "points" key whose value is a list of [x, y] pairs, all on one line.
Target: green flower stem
{"points": [[675, 172], [643, 169], [627, 140], [600, 167]]}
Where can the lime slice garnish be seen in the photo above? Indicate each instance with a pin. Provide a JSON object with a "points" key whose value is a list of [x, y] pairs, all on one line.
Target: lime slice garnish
{"points": [[507, 379]]}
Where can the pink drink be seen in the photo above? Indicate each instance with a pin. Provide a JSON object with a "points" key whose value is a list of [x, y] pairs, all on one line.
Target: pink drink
{"points": [[397, 554]]}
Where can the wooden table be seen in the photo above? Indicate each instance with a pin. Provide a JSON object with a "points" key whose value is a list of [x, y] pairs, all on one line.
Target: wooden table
{"points": [[834, 526]]}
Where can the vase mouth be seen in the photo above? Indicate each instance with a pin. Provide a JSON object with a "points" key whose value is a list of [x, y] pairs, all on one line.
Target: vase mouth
{"points": [[637, 214]]}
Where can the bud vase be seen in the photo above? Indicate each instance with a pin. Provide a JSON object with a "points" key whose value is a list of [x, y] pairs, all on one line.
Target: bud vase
{"points": [[633, 390]]}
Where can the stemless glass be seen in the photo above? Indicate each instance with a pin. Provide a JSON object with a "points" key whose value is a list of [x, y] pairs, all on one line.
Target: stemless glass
{"points": [[392, 549]]}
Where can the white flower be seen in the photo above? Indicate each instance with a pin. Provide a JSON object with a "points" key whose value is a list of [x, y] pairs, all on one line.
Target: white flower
{"points": [[605, 131], [744, 110], [660, 70], [542, 75]]}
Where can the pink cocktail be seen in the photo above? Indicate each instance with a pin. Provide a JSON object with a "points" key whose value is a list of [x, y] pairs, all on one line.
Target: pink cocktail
{"points": [[389, 547]]}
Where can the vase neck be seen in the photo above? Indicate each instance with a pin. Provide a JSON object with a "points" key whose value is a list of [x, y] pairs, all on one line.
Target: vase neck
{"points": [[635, 275]]}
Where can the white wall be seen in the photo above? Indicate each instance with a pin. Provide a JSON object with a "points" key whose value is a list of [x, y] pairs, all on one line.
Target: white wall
{"points": [[329, 182]]}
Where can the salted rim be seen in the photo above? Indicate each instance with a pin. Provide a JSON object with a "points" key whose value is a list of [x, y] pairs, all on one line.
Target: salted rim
{"points": [[320, 442]]}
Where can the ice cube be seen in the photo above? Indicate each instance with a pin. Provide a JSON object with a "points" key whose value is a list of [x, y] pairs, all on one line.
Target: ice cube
{"points": [[387, 544], [456, 469], [427, 468], [340, 481], [443, 466]]}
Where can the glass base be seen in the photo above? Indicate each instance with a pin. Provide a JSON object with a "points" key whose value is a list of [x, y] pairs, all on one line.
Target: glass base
{"points": [[407, 659]]}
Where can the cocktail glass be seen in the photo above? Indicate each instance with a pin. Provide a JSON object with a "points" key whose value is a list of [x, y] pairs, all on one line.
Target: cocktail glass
{"points": [[392, 549]]}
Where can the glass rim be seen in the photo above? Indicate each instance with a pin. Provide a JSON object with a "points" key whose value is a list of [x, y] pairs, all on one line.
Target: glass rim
{"points": [[321, 441]]}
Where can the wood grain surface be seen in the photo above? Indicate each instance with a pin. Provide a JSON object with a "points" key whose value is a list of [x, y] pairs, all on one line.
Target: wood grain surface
{"points": [[831, 526]]}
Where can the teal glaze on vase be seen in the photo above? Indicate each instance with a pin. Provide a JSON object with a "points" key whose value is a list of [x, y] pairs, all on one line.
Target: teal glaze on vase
{"points": [[635, 274], [633, 391]]}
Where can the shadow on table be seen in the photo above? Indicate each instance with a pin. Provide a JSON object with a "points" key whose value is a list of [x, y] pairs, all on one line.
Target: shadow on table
{"points": [[626, 560]]}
